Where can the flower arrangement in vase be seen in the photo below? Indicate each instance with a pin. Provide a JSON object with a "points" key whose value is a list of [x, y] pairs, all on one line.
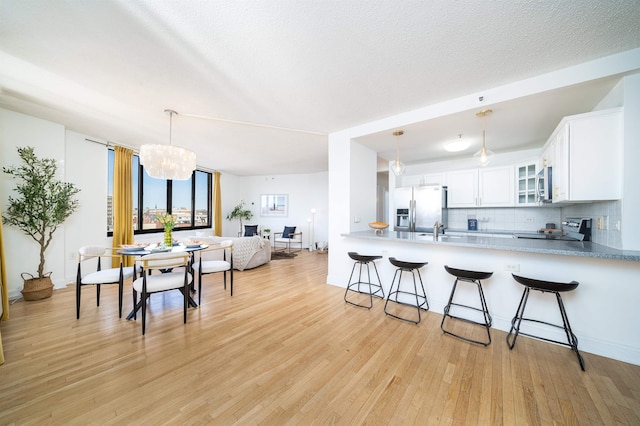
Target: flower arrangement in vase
{"points": [[168, 221]]}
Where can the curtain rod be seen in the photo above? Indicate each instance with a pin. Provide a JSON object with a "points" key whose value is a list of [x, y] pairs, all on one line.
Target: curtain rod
{"points": [[110, 144]]}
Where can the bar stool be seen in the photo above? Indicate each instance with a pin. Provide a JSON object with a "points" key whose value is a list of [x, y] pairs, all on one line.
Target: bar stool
{"points": [[364, 260], [420, 299], [544, 287], [473, 277]]}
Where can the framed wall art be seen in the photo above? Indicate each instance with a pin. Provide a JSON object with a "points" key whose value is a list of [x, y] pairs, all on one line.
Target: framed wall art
{"points": [[274, 205]]}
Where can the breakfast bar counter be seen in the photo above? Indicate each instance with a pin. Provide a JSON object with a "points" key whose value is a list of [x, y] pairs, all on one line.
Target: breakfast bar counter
{"points": [[603, 309], [552, 247]]}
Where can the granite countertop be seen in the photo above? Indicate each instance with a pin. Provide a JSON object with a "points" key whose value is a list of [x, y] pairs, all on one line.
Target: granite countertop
{"points": [[564, 248]]}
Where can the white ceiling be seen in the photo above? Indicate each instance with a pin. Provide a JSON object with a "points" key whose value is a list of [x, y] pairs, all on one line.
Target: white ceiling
{"points": [[109, 69]]}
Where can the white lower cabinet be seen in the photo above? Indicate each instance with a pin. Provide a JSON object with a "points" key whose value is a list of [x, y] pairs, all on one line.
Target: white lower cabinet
{"points": [[486, 187]]}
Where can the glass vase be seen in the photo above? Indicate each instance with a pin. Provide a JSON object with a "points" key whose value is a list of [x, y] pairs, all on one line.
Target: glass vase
{"points": [[168, 241]]}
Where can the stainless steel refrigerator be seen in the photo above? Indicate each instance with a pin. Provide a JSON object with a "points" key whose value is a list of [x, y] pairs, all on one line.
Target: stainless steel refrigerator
{"points": [[418, 208]]}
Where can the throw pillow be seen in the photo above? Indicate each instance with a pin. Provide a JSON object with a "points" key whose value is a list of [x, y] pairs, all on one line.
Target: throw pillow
{"points": [[250, 230], [288, 230]]}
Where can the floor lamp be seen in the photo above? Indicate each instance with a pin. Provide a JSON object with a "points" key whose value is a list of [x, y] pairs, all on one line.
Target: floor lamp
{"points": [[311, 230]]}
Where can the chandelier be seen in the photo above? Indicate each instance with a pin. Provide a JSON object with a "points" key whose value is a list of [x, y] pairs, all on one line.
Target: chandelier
{"points": [[485, 155], [167, 161], [398, 167]]}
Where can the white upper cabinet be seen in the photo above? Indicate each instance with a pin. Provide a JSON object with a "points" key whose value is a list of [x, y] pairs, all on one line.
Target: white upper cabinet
{"points": [[434, 179], [496, 187], [462, 188], [585, 152], [485, 187]]}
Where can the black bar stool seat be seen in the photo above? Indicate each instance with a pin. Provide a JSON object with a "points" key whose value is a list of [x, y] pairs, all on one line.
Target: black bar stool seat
{"points": [[545, 287], [473, 277], [364, 287], [420, 298]]}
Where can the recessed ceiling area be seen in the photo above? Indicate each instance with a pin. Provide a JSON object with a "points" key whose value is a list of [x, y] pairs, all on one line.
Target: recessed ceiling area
{"points": [[519, 124]]}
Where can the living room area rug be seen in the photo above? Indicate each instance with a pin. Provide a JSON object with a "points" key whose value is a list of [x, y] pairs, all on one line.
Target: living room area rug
{"points": [[275, 255]]}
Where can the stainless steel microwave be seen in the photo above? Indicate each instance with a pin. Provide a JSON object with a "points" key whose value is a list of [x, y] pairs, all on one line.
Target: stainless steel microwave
{"points": [[544, 185]]}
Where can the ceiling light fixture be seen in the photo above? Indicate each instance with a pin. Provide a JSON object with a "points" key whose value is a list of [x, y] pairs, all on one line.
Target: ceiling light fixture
{"points": [[457, 145], [398, 167], [485, 155], [168, 161]]}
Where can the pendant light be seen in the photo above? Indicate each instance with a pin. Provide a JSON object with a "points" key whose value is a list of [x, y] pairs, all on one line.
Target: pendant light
{"points": [[398, 167], [484, 156], [167, 161]]}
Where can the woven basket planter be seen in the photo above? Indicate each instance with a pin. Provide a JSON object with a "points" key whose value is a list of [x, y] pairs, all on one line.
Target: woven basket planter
{"points": [[36, 288]]}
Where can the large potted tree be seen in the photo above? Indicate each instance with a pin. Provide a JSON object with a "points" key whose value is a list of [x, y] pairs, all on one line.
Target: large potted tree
{"points": [[43, 202], [239, 212]]}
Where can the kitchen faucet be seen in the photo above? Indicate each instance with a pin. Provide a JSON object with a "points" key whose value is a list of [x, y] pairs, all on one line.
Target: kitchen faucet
{"points": [[436, 230]]}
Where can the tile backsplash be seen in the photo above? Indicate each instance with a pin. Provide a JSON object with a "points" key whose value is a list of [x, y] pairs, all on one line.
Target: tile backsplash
{"points": [[506, 219], [611, 210], [533, 218]]}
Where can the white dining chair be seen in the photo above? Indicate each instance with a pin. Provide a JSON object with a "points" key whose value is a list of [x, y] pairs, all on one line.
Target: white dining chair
{"points": [[96, 254], [223, 263], [158, 275]]}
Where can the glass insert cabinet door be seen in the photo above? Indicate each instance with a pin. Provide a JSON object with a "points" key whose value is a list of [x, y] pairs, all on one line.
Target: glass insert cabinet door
{"points": [[526, 185]]}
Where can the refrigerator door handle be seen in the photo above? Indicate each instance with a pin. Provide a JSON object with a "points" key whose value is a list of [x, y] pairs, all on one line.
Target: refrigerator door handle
{"points": [[412, 223]]}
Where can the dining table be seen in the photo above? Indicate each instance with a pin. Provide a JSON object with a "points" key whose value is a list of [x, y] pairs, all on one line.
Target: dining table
{"points": [[139, 250]]}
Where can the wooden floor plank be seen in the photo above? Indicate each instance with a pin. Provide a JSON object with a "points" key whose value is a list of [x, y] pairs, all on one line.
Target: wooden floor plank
{"points": [[287, 349]]}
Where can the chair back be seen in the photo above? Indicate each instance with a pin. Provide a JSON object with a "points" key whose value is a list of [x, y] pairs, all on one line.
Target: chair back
{"points": [[164, 260], [87, 252], [222, 245]]}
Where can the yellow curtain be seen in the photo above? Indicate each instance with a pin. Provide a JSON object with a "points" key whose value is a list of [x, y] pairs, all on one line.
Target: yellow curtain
{"points": [[122, 202], [4, 293], [217, 205]]}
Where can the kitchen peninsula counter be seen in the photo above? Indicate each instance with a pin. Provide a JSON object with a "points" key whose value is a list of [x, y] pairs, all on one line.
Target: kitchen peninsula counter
{"points": [[603, 309], [552, 247]]}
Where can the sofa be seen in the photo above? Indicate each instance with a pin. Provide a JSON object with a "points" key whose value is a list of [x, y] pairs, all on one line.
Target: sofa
{"points": [[248, 252]]}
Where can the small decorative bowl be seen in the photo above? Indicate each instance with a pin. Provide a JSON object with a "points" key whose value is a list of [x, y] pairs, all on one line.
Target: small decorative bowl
{"points": [[378, 227]]}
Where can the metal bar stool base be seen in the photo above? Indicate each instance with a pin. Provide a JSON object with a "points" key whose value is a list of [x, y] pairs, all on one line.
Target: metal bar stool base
{"points": [[364, 287], [472, 277], [544, 287], [421, 302]]}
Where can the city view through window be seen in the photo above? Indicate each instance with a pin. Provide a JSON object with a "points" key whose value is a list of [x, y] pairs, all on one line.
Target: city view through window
{"points": [[154, 199]]}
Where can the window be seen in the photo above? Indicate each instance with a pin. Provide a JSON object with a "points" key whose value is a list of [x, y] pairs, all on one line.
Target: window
{"points": [[189, 200]]}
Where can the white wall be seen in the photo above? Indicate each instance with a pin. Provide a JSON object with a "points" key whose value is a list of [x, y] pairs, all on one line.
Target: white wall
{"points": [[48, 139], [304, 191], [79, 162], [86, 166]]}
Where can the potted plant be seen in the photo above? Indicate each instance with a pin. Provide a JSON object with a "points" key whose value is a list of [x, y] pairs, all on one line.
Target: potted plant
{"points": [[266, 232], [43, 203], [239, 212]]}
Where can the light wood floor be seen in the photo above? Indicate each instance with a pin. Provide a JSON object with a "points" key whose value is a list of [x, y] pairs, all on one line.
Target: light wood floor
{"points": [[286, 349]]}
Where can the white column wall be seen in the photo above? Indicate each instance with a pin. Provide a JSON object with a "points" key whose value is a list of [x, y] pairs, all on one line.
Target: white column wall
{"points": [[631, 189]]}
